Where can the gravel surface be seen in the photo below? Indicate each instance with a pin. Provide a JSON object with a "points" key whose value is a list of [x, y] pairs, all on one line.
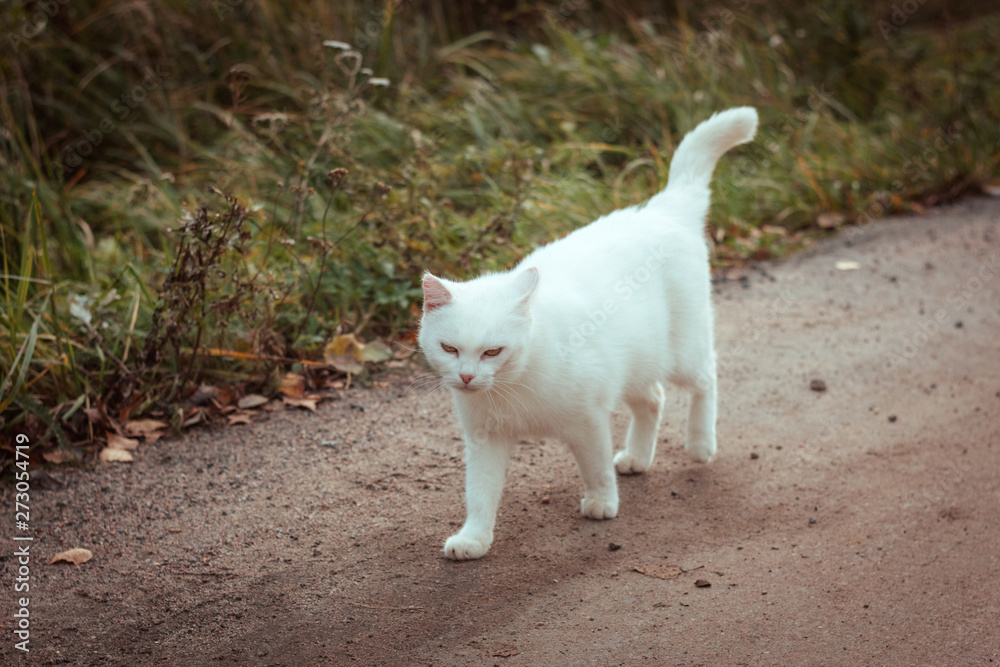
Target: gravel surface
{"points": [[854, 525]]}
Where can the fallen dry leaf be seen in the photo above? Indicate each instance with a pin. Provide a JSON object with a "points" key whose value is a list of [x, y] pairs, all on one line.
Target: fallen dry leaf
{"points": [[227, 395], [506, 653], [75, 556], [239, 418], [116, 441], [345, 354], [203, 394], [196, 415], [293, 385], [120, 455], [251, 401], [345, 364], [274, 406], [144, 426], [58, 456], [830, 220], [307, 403], [376, 351], [345, 345], [660, 571]]}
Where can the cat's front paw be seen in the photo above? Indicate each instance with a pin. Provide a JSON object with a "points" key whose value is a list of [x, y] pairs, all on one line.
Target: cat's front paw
{"points": [[595, 507], [461, 547], [629, 464]]}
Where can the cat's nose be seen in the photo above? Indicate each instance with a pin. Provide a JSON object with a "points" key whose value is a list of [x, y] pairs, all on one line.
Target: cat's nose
{"points": [[466, 378]]}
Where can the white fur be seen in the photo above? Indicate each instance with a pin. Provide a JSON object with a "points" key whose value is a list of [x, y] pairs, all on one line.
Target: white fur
{"points": [[601, 317]]}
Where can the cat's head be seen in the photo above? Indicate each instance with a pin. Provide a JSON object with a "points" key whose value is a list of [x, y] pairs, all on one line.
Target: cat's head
{"points": [[475, 334]]}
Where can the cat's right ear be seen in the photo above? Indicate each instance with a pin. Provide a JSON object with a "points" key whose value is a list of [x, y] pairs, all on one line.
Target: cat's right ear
{"points": [[436, 294]]}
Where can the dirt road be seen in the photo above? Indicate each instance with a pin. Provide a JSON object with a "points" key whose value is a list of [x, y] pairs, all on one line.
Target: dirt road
{"points": [[859, 525]]}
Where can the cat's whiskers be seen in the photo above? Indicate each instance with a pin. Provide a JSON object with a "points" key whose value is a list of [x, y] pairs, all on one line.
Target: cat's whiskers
{"points": [[506, 392], [424, 386], [512, 384], [430, 390], [495, 391], [493, 409], [422, 382], [424, 378]]}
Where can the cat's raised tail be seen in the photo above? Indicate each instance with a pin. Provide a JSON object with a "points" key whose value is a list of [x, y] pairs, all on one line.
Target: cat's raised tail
{"points": [[695, 158]]}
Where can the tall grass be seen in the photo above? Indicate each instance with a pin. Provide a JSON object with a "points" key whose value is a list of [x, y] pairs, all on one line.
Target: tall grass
{"points": [[500, 129]]}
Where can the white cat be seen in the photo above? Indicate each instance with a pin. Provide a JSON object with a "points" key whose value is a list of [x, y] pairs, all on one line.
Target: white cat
{"points": [[600, 317]]}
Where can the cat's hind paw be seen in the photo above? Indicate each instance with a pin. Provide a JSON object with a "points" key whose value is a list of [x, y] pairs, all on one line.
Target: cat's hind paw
{"points": [[460, 547], [629, 464], [701, 450], [599, 508]]}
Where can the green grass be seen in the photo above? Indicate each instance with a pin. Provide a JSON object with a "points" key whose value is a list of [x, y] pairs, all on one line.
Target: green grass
{"points": [[497, 133]]}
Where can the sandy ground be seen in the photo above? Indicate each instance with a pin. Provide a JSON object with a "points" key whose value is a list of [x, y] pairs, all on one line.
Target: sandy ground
{"points": [[855, 526]]}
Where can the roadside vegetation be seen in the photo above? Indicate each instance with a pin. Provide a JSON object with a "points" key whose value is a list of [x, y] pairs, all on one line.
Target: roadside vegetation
{"points": [[201, 201]]}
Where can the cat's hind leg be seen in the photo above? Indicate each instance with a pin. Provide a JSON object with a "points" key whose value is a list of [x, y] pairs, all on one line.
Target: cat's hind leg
{"points": [[700, 444], [589, 440], [486, 460], [640, 442]]}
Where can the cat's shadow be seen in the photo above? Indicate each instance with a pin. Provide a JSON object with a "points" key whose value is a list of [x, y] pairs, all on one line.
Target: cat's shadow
{"points": [[676, 505]]}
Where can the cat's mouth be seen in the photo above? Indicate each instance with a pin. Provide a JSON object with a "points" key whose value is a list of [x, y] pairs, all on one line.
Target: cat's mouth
{"points": [[471, 388]]}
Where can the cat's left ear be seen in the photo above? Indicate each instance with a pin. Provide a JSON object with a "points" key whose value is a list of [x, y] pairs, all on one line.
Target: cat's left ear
{"points": [[524, 286]]}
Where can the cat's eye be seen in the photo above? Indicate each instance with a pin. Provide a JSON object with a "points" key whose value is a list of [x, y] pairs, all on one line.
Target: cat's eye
{"points": [[449, 348], [494, 352]]}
